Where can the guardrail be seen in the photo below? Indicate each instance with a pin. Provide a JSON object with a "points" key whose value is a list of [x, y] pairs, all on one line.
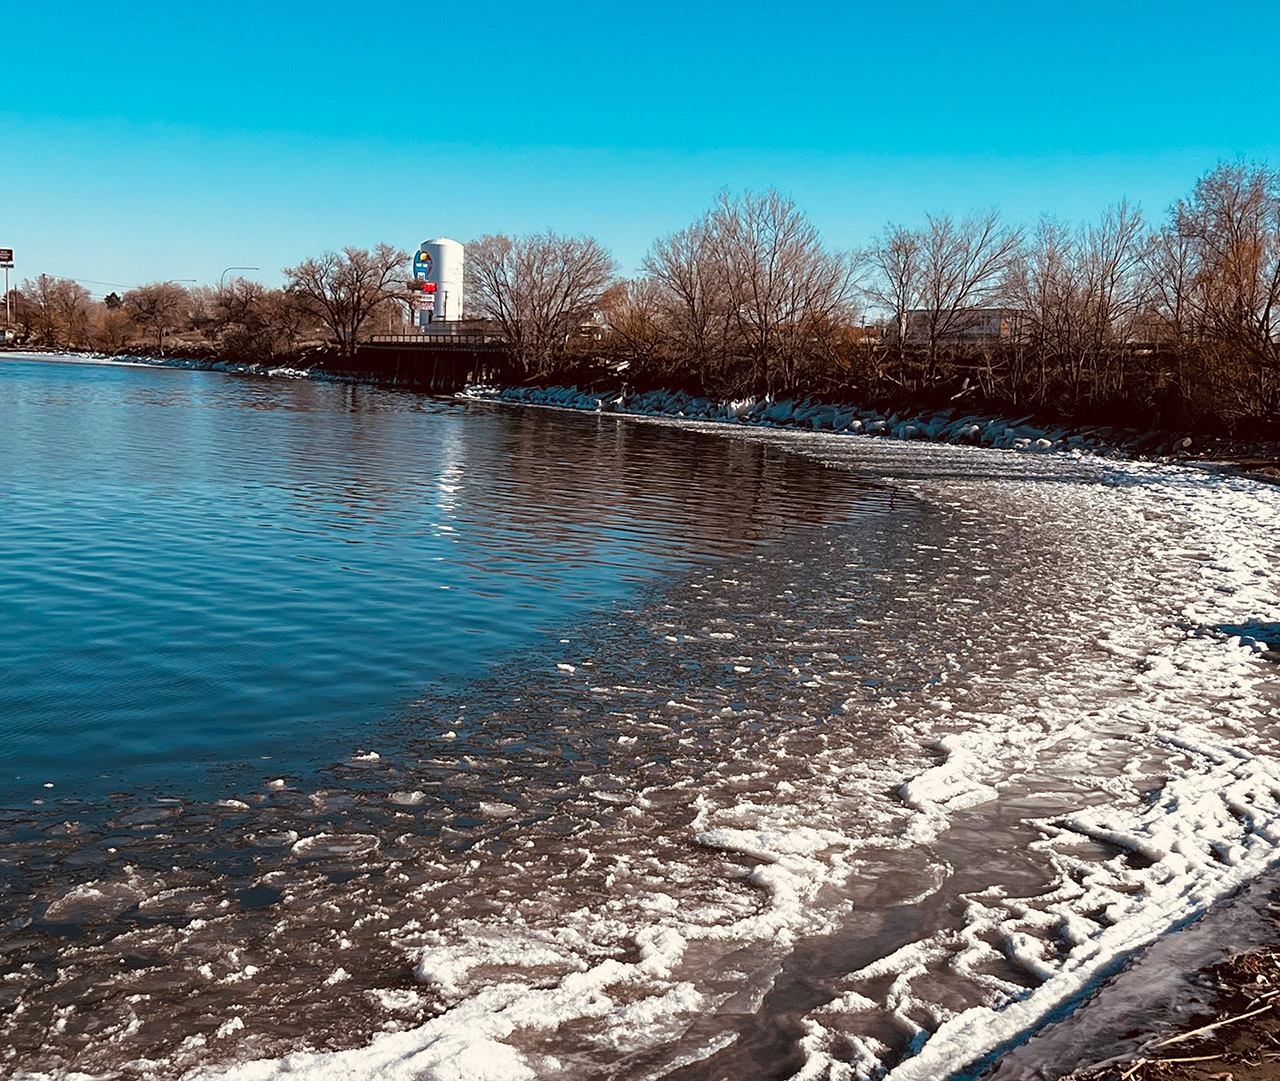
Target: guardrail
{"points": [[469, 340]]}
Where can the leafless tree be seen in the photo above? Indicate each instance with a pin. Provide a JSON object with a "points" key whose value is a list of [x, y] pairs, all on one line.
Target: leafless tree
{"points": [[1080, 291], [897, 271], [962, 268], [749, 285], [1232, 223], [158, 307], [539, 289], [284, 319], [632, 311], [693, 296], [1115, 291], [344, 289], [111, 329], [785, 288], [1170, 275], [58, 310]]}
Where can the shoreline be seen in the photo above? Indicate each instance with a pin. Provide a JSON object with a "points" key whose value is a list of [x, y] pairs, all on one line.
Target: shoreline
{"points": [[797, 416], [1259, 460], [905, 420], [1199, 971]]}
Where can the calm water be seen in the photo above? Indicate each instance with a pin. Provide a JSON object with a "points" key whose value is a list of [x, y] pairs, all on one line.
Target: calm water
{"points": [[449, 739], [203, 571]]}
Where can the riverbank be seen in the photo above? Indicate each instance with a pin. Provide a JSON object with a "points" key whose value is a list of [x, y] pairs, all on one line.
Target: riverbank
{"points": [[905, 418], [1238, 1039], [1058, 622], [1260, 458], [1197, 978]]}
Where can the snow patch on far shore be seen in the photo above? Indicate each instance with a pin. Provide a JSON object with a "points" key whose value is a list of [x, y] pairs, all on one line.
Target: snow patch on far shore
{"points": [[807, 414]]}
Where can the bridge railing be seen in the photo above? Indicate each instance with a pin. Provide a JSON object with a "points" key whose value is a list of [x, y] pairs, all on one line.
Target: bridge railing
{"points": [[434, 339]]}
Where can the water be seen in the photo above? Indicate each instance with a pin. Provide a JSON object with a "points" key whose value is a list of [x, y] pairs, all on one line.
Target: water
{"points": [[203, 570], [754, 756]]}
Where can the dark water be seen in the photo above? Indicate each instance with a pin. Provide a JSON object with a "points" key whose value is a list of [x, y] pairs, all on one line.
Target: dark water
{"points": [[201, 572]]}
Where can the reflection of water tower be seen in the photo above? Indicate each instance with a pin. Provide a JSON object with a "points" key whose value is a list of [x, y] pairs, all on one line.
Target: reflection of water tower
{"points": [[438, 266]]}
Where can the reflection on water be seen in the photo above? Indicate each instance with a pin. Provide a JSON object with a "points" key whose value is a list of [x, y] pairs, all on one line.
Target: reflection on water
{"points": [[598, 749], [221, 593], [207, 570]]}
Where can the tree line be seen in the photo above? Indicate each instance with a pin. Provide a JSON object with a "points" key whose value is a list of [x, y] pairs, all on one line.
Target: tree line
{"points": [[1176, 320], [328, 303]]}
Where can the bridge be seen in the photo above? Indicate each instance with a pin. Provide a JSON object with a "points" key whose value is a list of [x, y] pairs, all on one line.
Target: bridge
{"points": [[441, 362]]}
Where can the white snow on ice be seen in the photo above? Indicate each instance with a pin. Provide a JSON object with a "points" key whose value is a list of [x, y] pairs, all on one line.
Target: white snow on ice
{"points": [[1090, 700]]}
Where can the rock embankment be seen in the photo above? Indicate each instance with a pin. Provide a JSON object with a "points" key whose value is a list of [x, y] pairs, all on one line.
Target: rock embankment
{"points": [[938, 426]]}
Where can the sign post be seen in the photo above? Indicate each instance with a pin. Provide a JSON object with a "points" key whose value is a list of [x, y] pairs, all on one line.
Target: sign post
{"points": [[6, 261]]}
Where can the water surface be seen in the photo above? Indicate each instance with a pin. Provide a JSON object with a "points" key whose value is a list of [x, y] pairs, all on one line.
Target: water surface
{"points": [[204, 570], [434, 738]]}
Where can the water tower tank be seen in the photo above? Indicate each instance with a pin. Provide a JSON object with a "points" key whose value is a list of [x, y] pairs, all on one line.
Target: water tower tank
{"points": [[445, 270]]}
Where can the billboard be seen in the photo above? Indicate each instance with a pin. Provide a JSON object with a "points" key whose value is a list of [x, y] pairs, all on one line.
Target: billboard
{"points": [[422, 264], [6, 257]]}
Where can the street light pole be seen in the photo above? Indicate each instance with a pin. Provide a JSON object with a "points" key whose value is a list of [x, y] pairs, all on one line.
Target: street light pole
{"points": [[231, 268], [6, 260]]}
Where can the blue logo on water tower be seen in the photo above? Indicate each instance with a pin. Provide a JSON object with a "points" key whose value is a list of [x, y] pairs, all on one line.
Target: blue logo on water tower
{"points": [[422, 266]]}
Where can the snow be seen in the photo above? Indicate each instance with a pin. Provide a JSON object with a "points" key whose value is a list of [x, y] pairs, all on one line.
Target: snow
{"points": [[807, 414], [1055, 745]]}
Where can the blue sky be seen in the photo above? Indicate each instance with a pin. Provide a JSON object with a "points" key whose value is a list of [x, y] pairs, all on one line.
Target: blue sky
{"points": [[152, 141]]}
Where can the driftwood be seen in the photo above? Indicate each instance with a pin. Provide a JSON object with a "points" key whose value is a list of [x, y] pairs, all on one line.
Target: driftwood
{"points": [[1209, 1028]]}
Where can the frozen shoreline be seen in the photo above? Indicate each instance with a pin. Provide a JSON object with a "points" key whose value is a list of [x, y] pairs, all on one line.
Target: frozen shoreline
{"points": [[811, 415], [1118, 714], [953, 426], [1212, 827]]}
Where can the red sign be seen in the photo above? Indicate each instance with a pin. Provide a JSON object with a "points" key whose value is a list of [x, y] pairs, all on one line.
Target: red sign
{"points": [[428, 287], [6, 257]]}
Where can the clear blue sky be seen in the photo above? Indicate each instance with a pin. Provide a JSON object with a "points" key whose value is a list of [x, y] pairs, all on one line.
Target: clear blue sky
{"points": [[147, 141]]}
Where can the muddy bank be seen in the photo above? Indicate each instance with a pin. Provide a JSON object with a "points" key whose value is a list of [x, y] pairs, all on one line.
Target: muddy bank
{"points": [[1237, 1038]]}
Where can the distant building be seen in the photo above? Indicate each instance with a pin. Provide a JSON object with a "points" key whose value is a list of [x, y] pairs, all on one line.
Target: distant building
{"points": [[965, 326], [437, 276]]}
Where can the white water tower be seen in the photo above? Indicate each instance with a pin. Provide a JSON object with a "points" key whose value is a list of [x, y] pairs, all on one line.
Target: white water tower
{"points": [[438, 263]]}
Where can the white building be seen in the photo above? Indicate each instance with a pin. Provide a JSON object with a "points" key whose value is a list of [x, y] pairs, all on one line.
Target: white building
{"points": [[438, 265]]}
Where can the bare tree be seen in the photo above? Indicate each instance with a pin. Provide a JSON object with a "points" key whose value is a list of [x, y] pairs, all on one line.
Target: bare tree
{"points": [[73, 302], [284, 319], [539, 289], [632, 314], [693, 298], [895, 260], [157, 307], [1115, 290], [1080, 291], [1170, 285], [111, 329], [1043, 282], [784, 287], [344, 289], [58, 310], [962, 268], [38, 295], [1232, 222]]}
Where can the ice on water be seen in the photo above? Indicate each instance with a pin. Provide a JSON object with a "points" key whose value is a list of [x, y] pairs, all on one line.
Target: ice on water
{"points": [[920, 783]]}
